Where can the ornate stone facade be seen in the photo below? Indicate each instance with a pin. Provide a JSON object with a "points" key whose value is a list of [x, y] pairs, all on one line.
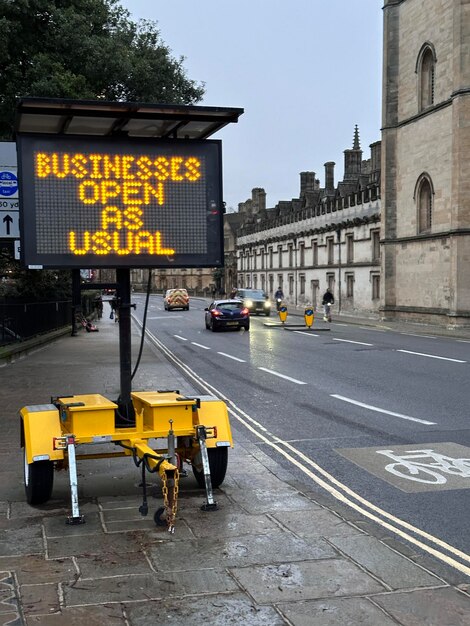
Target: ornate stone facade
{"points": [[327, 237], [426, 161]]}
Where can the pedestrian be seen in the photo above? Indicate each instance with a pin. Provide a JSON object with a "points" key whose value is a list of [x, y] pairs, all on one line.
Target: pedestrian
{"points": [[328, 300], [99, 306], [233, 292], [114, 309]]}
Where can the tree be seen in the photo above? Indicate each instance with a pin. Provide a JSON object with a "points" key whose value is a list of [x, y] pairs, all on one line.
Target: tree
{"points": [[80, 49], [85, 49]]}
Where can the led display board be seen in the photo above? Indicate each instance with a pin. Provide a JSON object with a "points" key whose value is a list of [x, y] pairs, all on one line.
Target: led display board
{"points": [[119, 202]]}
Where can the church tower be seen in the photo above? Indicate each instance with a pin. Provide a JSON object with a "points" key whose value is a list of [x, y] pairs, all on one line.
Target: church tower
{"points": [[425, 186]]}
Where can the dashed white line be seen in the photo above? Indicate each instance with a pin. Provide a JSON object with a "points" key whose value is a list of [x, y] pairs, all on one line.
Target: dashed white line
{"points": [[230, 356], [462, 340], [361, 343], [304, 332], [293, 380], [432, 356], [375, 330], [378, 410], [179, 337], [417, 335], [199, 345]]}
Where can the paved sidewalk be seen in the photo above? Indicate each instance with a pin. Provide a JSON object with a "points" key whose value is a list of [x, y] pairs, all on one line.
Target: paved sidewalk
{"points": [[273, 554]]}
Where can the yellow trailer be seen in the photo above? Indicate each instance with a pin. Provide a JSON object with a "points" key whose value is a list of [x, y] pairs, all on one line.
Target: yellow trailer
{"points": [[197, 431]]}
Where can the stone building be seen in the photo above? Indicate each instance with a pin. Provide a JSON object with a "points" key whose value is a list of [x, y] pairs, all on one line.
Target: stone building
{"points": [[327, 237], [426, 161]]}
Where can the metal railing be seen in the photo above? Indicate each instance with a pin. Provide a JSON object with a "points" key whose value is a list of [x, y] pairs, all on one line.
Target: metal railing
{"points": [[20, 321]]}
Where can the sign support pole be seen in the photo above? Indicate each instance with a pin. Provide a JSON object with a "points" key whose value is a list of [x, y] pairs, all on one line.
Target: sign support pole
{"points": [[126, 416]]}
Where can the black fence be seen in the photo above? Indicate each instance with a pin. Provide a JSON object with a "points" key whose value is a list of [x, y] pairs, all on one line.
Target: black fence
{"points": [[20, 321]]}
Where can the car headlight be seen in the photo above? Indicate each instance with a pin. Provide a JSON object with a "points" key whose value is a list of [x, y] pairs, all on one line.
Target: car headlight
{"points": [[267, 304], [248, 303]]}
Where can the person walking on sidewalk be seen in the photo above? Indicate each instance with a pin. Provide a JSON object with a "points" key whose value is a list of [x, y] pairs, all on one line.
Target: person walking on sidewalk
{"points": [[328, 300]]}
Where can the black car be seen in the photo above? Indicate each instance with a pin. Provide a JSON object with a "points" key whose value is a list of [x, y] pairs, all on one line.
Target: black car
{"points": [[255, 300], [227, 314]]}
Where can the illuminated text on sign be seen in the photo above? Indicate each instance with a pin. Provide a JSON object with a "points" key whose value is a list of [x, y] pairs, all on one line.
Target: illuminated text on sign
{"points": [[121, 186]]}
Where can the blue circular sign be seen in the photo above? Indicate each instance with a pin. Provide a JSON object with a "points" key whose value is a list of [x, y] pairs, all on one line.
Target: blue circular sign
{"points": [[8, 184]]}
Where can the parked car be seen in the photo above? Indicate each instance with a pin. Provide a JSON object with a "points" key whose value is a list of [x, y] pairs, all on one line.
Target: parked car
{"points": [[225, 314], [255, 300], [176, 299]]}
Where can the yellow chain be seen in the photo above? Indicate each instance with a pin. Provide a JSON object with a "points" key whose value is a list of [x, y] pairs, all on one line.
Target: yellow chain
{"points": [[170, 511]]}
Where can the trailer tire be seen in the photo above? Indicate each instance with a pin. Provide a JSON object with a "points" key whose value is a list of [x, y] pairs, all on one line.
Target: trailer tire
{"points": [[218, 459], [38, 481]]}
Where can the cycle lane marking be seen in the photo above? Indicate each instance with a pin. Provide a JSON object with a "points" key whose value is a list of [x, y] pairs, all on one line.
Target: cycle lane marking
{"points": [[350, 498], [432, 356], [379, 410], [416, 468]]}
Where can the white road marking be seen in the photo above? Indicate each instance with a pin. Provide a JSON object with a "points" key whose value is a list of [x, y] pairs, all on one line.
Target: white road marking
{"points": [[163, 317], [463, 341], [432, 356], [304, 332], [199, 345], [417, 335], [230, 356], [293, 380], [375, 408], [339, 324], [361, 343], [364, 507], [375, 330], [179, 337]]}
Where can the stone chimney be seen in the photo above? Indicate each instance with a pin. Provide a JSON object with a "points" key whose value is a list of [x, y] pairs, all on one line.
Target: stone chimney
{"points": [[258, 197], [329, 176], [307, 183], [375, 156]]}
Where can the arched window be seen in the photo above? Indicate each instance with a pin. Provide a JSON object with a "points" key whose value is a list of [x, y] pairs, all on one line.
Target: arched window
{"points": [[425, 68], [424, 203]]}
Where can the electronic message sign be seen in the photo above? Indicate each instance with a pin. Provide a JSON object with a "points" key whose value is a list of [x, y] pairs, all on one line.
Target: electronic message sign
{"points": [[114, 202]]}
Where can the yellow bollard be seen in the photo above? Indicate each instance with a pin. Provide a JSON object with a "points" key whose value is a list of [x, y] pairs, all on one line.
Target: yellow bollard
{"points": [[309, 316], [283, 313]]}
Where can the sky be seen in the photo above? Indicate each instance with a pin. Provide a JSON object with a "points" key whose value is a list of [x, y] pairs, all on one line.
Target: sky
{"points": [[304, 71]]}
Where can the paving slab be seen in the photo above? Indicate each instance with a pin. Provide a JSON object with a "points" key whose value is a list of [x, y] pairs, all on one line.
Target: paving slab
{"points": [[335, 612], [36, 569], [83, 545], [226, 610], [428, 607], [315, 523], [99, 566], [394, 569], [42, 599], [20, 537], [305, 580], [146, 587], [276, 547], [106, 615], [260, 500]]}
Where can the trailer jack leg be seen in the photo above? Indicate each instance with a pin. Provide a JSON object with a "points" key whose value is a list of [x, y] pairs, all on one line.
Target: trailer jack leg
{"points": [[211, 504], [75, 518]]}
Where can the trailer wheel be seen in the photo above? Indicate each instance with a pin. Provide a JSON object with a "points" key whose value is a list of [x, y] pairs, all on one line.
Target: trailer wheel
{"points": [[218, 458], [38, 480]]}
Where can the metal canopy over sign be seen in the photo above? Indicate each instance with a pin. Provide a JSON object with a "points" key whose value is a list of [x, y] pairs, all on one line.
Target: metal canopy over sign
{"points": [[120, 184]]}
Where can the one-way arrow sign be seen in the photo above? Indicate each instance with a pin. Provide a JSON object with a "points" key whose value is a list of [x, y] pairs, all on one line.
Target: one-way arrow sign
{"points": [[8, 221], [9, 224]]}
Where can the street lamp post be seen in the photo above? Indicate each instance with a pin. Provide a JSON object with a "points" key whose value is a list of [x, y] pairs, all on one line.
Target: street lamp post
{"points": [[338, 234]]}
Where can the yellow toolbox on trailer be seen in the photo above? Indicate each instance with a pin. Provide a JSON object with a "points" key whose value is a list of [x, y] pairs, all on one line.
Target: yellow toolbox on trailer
{"points": [[156, 408], [87, 415]]}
